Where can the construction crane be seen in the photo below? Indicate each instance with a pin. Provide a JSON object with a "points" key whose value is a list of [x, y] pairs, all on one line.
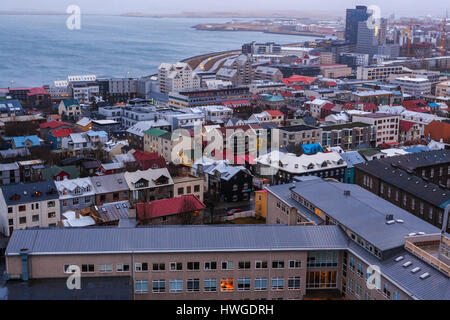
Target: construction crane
{"points": [[410, 38]]}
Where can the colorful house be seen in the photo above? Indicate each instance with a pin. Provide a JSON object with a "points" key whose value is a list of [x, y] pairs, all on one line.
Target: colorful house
{"points": [[23, 142], [261, 204], [56, 136], [59, 173], [352, 158]]}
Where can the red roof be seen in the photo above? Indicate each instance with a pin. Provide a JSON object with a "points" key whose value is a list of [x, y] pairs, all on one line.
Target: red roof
{"points": [[54, 124], [61, 132], [367, 106], [153, 163], [297, 79], [38, 90], [298, 88], [412, 104], [140, 155], [236, 103], [275, 113], [327, 106], [405, 125], [167, 207]]}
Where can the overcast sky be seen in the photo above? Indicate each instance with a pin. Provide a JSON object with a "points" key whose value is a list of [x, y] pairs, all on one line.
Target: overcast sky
{"points": [[399, 7]]}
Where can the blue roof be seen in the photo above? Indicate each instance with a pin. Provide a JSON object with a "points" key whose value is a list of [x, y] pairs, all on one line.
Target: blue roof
{"points": [[19, 141], [312, 148], [11, 106], [72, 102], [29, 192], [417, 149], [433, 105], [352, 158], [93, 133]]}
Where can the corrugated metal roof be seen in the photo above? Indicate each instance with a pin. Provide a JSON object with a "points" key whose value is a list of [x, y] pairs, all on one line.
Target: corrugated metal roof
{"points": [[176, 239], [363, 212], [435, 287]]}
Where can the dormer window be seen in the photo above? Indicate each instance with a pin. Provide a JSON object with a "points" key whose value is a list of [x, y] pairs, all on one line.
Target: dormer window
{"points": [[78, 190], [37, 194], [324, 164], [310, 166]]}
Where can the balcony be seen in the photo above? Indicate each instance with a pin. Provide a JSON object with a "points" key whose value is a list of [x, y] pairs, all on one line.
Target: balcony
{"points": [[426, 247]]}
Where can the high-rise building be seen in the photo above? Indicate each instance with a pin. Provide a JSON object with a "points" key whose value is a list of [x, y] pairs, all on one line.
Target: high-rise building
{"points": [[354, 17], [177, 77]]}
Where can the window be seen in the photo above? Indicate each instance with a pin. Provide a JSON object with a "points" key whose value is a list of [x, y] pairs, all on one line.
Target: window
{"points": [[244, 265], [193, 266], [430, 214], [23, 220], [159, 266], [159, 286], [322, 279], [10, 209], [352, 263], [10, 222], [294, 283], [211, 265], [51, 215], [260, 284], [227, 284], [277, 283], [140, 267], [105, 268], [122, 267], [295, 264], [278, 264], [22, 208], [197, 188], [86, 268], [88, 199], [360, 270], [180, 190], [50, 204], [387, 290], [75, 201], [318, 259], [176, 285], [396, 295], [244, 284], [227, 265], [210, 285], [141, 286], [35, 218], [261, 265], [176, 266], [193, 285]]}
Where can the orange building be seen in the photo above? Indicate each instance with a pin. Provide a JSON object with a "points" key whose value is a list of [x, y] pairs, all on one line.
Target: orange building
{"points": [[261, 203]]}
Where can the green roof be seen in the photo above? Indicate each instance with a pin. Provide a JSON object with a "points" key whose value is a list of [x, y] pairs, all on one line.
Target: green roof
{"points": [[50, 173], [369, 152], [156, 132]]}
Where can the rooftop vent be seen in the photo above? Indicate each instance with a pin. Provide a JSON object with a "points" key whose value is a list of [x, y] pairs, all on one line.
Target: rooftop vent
{"points": [[425, 275], [407, 264], [421, 233], [399, 221], [346, 192], [411, 234], [389, 217], [416, 269], [390, 222], [399, 259]]}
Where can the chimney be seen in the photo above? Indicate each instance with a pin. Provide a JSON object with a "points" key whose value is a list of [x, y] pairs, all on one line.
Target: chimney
{"points": [[77, 214], [347, 193]]}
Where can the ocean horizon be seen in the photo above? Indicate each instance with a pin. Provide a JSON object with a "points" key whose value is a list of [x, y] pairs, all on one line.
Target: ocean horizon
{"points": [[39, 49]]}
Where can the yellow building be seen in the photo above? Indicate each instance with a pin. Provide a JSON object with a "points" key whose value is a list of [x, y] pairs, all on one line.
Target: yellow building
{"points": [[261, 203]]}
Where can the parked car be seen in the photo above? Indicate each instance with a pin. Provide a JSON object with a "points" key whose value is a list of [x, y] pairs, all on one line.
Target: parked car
{"points": [[233, 211]]}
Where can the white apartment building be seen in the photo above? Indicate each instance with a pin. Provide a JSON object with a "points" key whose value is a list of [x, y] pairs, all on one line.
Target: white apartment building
{"points": [[177, 77], [28, 205], [387, 126], [214, 113], [413, 85], [381, 73]]}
